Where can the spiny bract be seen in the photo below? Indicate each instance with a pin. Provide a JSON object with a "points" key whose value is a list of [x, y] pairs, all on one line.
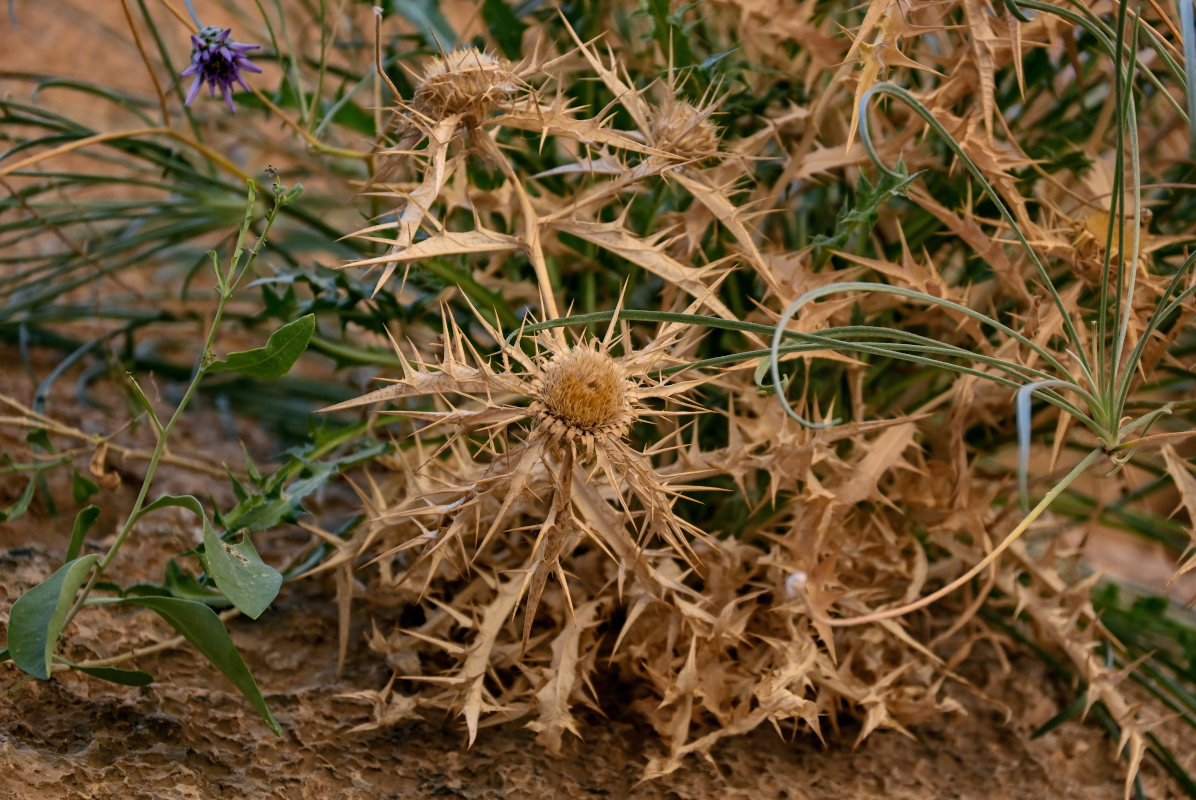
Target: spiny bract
{"points": [[684, 130]]}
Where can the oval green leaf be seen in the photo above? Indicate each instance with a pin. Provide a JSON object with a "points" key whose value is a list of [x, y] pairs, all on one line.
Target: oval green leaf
{"points": [[249, 583], [36, 618], [278, 356]]}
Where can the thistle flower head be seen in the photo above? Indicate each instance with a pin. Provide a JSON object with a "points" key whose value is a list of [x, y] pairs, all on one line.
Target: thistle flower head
{"points": [[467, 81], [217, 62], [562, 408], [686, 130], [583, 392]]}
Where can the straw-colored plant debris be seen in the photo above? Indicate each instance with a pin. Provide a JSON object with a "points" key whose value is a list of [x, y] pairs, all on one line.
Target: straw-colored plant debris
{"points": [[551, 503], [527, 496]]}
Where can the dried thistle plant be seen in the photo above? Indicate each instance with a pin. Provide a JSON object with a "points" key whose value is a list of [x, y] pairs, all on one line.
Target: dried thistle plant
{"points": [[556, 420], [467, 83], [526, 486], [552, 504], [538, 533], [465, 534]]}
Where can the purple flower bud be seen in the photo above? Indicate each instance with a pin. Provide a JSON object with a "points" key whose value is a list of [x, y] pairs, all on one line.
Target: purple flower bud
{"points": [[217, 62]]}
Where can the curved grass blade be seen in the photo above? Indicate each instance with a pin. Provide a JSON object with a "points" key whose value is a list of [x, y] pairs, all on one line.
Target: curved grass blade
{"points": [[1187, 25]]}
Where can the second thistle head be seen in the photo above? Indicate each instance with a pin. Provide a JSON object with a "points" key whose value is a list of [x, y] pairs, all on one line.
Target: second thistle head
{"points": [[686, 130], [467, 81]]}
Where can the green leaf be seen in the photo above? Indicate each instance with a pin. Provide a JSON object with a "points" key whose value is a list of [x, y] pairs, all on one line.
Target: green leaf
{"points": [[4, 654], [125, 677], [280, 503], [280, 305], [185, 586], [711, 60], [22, 503], [351, 116], [250, 467], [239, 572], [278, 356], [291, 195], [143, 401], [505, 27], [1071, 711], [40, 437], [82, 487], [247, 581], [426, 17], [36, 619], [238, 489], [858, 216], [670, 33], [83, 522], [259, 512], [175, 501], [203, 628]]}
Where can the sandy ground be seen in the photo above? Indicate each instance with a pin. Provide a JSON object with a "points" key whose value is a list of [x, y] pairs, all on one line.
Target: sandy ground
{"points": [[189, 735]]}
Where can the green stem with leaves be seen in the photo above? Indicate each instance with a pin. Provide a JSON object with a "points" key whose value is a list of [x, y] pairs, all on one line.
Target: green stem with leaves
{"points": [[226, 286]]}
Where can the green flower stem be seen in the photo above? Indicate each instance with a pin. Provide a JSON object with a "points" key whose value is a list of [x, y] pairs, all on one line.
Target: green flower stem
{"points": [[227, 284]]}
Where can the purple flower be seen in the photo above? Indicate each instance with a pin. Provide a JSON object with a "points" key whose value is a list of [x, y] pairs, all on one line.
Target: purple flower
{"points": [[217, 62]]}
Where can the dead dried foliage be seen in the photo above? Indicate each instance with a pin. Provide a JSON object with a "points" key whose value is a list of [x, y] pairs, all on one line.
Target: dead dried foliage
{"points": [[538, 548]]}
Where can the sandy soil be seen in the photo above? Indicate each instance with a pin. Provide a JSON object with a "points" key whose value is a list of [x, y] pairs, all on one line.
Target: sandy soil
{"points": [[189, 735]]}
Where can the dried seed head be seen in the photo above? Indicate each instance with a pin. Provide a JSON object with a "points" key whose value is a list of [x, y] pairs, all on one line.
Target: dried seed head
{"points": [[687, 131], [584, 393], [466, 81]]}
